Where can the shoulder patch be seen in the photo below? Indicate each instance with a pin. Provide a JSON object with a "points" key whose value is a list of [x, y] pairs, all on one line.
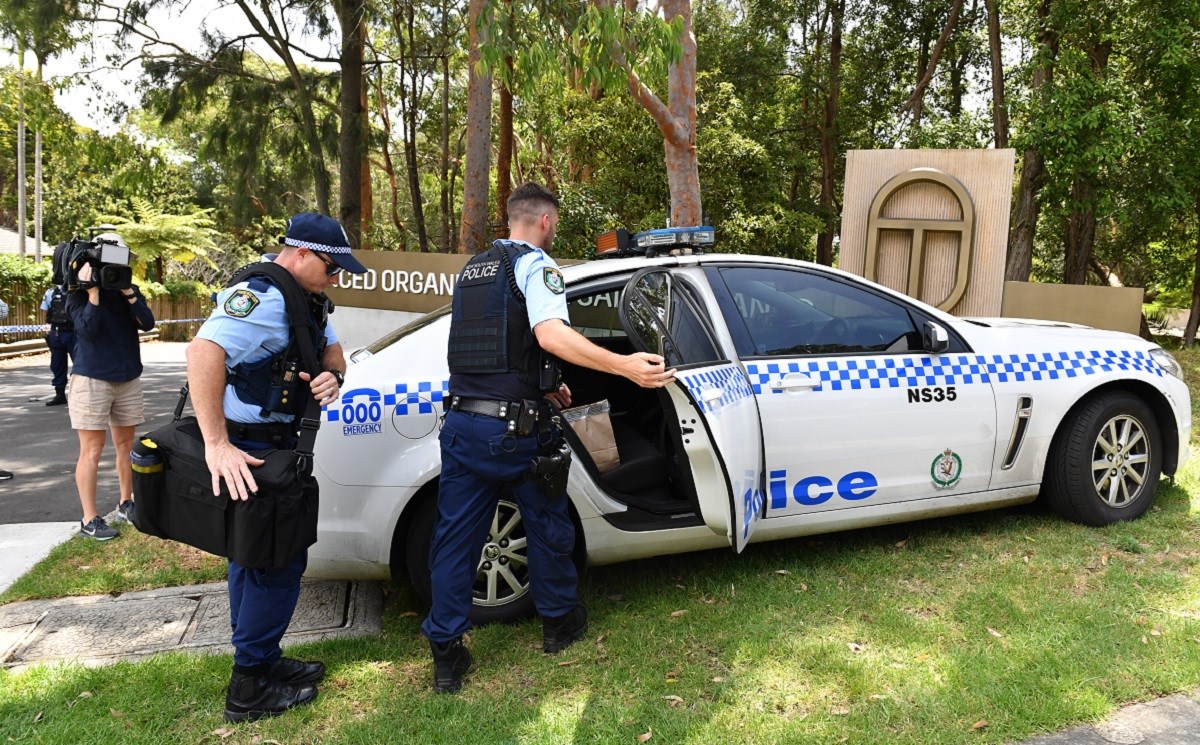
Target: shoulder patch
{"points": [[554, 280], [241, 303]]}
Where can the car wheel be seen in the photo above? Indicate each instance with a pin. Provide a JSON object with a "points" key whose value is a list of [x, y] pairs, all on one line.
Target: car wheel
{"points": [[1105, 463], [501, 591]]}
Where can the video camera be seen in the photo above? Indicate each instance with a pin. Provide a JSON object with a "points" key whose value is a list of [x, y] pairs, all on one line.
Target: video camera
{"points": [[106, 253]]}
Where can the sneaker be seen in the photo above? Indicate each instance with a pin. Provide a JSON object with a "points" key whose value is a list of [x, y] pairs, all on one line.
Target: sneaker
{"points": [[560, 632], [124, 513], [97, 529], [293, 672], [5, 475]]}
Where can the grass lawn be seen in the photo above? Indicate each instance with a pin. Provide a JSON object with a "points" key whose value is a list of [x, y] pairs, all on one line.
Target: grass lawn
{"points": [[984, 628]]}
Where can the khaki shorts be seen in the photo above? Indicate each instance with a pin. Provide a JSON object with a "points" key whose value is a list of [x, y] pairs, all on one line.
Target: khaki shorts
{"points": [[100, 404]]}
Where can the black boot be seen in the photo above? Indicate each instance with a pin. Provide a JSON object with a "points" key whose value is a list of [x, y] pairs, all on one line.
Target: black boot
{"points": [[451, 661], [252, 695], [560, 632], [60, 397], [287, 670]]}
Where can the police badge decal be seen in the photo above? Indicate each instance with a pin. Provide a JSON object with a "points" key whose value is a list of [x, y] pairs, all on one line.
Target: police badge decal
{"points": [[240, 303], [554, 280], [946, 469]]}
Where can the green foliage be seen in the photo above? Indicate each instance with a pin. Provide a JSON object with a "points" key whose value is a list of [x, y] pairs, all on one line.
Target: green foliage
{"points": [[23, 280], [153, 234]]}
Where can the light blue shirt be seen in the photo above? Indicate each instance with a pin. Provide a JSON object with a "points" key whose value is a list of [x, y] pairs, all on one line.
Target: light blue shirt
{"points": [[249, 336], [539, 277]]}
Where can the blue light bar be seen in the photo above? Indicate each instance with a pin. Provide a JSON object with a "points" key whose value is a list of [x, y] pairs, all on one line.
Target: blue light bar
{"points": [[663, 240]]}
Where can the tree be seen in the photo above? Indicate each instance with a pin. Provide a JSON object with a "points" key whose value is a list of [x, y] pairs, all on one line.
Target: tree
{"points": [[154, 236], [474, 232]]}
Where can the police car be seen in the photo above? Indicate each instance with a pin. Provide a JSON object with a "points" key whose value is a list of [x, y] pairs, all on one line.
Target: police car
{"points": [[807, 400]]}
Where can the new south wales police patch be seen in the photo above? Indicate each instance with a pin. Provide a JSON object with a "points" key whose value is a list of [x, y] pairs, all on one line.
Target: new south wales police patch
{"points": [[554, 280], [240, 303]]}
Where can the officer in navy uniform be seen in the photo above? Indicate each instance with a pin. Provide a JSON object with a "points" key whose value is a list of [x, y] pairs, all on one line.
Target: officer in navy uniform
{"points": [[60, 339], [499, 419], [234, 360]]}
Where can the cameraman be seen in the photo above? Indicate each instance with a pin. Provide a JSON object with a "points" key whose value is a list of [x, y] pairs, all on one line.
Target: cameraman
{"points": [[105, 390]]}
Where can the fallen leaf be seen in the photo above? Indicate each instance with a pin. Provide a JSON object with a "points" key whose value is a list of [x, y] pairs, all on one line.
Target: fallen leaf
{"points": [[782, 571], [645, 736], [223, 732], [600, 639], [681, 587], [980, 724], [116, 713], [840, 711], [678, 613], [855, 647], [566, 663], [878, 697], [902, 544], [85, 567], [995, 633], [718, 679], [732, 590], [408, 614], [674, 673], [1030, 539], [673, 700], [1025, 558], [1155, 632], [85, 694], [616, 597], [1104, 559], [40, 714], [1145, 640], [709, 601], [803, 587]]}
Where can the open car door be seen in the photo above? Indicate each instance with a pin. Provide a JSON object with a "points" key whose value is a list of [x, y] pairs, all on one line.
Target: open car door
{"points": [[714, 404]]}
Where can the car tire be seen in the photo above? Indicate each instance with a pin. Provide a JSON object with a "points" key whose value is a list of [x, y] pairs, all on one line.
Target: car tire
{"points": [[507, 605], [1106, 460]]}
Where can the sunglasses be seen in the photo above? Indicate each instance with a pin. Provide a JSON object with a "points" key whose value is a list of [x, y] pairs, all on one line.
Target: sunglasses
{"points": [[330, 268]]}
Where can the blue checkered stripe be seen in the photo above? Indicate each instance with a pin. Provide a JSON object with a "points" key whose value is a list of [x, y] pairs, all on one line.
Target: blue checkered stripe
{"points": [[417, 398], [910, 372], [730, 380]]}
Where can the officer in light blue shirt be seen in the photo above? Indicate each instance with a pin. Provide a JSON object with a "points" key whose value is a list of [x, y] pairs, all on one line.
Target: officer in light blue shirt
{"points": [[249, 392]]}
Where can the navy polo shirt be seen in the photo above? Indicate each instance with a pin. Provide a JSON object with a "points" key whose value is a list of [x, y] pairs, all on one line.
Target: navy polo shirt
{"points": [[106, 335]]}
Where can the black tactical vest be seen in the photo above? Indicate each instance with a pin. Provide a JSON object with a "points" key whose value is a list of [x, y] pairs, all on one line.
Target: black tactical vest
{"points": [[493, 353], [57, 315], [273, 383]]}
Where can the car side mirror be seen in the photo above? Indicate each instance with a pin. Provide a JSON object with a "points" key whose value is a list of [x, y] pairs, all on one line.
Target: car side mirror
{"points": [[934, 338]]}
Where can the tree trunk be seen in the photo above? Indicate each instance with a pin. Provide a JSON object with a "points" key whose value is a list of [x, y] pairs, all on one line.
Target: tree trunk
{"points": [[21, 226], [999, 107], [389, 168], [504, 157], [915, 102], [1033, 164], [1081, 223], [352, 138], [473, 233], [683, 167], [829, 136], [1189, 332], [444, 167], [410, 102]]}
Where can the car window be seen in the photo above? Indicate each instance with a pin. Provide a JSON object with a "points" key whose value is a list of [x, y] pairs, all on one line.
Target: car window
{"points": [[784, 312], [597, 314], [687, 340]]}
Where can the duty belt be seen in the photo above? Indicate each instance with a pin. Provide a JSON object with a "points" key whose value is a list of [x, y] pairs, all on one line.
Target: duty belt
{"points": [[277, 434], [522, 416]]}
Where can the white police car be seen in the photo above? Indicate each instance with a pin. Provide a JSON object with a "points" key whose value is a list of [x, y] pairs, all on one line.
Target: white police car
{"points": [[807, 400]]}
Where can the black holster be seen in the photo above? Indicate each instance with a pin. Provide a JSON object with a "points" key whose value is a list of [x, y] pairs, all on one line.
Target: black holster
{"points": [[551, 470]]}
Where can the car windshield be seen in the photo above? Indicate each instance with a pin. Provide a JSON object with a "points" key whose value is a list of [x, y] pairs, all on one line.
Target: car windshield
{"points": [[392, 337]]}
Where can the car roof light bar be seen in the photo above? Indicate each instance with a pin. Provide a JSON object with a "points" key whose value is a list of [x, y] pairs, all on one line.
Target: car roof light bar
{"points": [[618, 243]]}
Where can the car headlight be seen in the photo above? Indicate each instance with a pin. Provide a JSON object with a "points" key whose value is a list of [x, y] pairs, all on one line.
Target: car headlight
{"points": [[1166, 362]]}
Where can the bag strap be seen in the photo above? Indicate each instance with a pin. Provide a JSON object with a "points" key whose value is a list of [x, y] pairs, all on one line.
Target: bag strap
{"points": [[296, 303], [508, 270]]}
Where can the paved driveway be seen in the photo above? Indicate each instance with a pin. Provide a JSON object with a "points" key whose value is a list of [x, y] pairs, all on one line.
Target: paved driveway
{"points": [[38, 445]]}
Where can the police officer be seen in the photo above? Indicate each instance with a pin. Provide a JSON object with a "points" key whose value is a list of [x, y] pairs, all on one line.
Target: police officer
{"points": [[61, 340], [230, 369], [509, 308]]}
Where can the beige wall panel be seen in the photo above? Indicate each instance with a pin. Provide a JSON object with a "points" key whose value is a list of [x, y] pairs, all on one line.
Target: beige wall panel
{"points": [[986, 175], [1114, 308], [894, 249], [941, 266]]}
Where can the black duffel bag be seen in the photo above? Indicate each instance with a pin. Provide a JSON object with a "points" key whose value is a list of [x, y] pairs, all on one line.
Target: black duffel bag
{"points": [[175, 500]]}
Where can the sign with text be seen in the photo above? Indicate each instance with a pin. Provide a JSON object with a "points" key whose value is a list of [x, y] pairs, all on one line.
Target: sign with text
{"points": [[399, 280]]}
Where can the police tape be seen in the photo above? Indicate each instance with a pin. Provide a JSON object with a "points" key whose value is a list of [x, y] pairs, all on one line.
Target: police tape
{"points": [[41, 327]]}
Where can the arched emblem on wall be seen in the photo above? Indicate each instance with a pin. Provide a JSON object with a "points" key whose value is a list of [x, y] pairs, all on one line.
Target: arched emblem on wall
{"points": [[954, 198]]}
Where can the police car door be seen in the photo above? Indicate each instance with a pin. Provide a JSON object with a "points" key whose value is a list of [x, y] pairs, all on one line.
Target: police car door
{"points": [[859, 409], [663, 313]]}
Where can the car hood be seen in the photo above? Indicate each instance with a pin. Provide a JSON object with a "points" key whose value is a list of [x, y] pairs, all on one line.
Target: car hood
{"points": [[1034, 335]]}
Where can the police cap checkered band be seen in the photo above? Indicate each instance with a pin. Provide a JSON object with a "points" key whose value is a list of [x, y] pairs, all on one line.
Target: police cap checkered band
{"points": [[322, 233]]}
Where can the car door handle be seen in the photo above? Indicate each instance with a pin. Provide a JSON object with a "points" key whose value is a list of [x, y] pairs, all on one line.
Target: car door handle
{"points": [[711, 395], [793, 383]]}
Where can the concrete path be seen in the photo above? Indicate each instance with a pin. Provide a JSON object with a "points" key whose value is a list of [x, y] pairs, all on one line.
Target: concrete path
{"points": [[1174, 720], [22, 546], [194, 619]]}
